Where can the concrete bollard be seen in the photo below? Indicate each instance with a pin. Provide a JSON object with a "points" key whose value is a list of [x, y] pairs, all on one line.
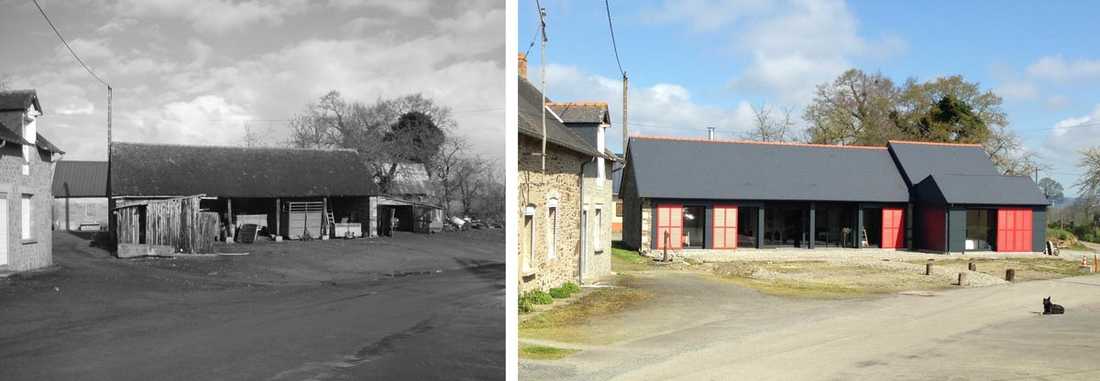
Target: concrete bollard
{"points": [[1010, 275], [972, 266], [928, 268], [962, 279]]}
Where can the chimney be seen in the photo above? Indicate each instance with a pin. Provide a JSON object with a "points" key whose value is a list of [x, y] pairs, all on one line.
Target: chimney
{"points": [[522, 66], [710, 133]]}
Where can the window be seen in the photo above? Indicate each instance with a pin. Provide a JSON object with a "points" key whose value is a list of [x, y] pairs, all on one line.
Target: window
{"points": [[25, 208], [528, 245], [552, 234], [618, 208], [599, 230]]}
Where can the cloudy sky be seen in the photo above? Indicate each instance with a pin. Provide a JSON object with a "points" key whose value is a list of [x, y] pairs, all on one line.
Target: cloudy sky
{"points": [[700, 63], [205, 71]]}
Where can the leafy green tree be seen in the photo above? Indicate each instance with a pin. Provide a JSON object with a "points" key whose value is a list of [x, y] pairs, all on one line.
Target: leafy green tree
{"points": [[1052, 190]]}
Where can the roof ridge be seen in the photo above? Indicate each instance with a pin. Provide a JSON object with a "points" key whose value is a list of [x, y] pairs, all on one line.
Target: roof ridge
{"points": [[739, 141], [237, 147], [578, 103], [934, 143]]}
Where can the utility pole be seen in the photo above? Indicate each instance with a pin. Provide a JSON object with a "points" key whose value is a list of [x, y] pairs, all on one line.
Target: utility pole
{"points": [[542, 82], [626, 131], [112, 222]]}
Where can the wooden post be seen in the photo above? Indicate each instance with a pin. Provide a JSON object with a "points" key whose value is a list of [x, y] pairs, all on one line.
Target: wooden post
{"points": [[278, 217], [962, 279], [1010, 275], [928, 268], [972, 266], [229, 219]]}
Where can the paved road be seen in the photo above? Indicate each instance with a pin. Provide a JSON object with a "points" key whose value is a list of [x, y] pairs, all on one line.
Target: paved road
{"points": [[120, 320], [715, 330]]}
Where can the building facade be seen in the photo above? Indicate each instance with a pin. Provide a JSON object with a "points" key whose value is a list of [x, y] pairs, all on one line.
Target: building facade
{"points": [[700, 195], [557, 199], [26, 175], [80, 196]]}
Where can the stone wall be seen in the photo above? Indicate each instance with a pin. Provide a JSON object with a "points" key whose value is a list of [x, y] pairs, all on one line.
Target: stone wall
{"points": [[597, 195], [36, 252], [561, 182], [646, 229]]}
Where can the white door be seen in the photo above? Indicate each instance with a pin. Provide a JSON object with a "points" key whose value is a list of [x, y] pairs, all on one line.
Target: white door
{"points": [[3, 230]]}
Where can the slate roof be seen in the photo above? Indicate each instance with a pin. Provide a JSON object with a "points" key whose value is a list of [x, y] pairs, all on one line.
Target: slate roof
{"points": [[581, 112], [10, 136], [80, 179], [702, 169], [11, 100], [530, 123], [919, 160], [616, 176], [174, 170], [985, 190]]}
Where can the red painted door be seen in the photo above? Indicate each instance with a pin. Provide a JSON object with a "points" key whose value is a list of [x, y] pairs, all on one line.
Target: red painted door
{"points": [[893, 228], [725, 227], [1013, 229], [670, 221]]}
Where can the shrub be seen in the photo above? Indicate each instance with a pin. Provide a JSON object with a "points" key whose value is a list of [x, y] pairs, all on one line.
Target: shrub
{"points": [[559, 293], [539, 297], [525, 305], [573, 288]]}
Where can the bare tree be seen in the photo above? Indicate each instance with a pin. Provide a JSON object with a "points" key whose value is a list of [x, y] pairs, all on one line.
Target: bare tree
{"points": [[445, 165], [768, 127], [1089, 183]]}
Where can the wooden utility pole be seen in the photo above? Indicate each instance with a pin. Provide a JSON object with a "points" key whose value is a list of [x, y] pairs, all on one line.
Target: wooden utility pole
{"points": [[626, 131], [112, 222], [542, 80]]}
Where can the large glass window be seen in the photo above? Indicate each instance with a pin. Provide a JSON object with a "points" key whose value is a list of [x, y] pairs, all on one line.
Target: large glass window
{"points": [[27, 213], [980, 225], [695, 226]]}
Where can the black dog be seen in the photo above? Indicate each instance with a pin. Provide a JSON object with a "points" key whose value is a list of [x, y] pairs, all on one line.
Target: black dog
{"points": [[1051, 308]]}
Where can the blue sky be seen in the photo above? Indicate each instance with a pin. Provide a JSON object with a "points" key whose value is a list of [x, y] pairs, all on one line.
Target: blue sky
{"points": [[200, 71], [700, 63]]}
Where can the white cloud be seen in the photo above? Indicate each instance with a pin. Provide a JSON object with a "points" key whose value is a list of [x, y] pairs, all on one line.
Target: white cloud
{"points": [[1059, 69], [88, 49], [200, 121], [1017, 90], [1068, 137], [214, 15], [408, 8], [85, 109], [660, 109], [704, 15]]}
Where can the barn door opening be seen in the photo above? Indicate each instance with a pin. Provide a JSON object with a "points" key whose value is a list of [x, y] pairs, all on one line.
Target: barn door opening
{"points": [[725, 227], [670, 226]]}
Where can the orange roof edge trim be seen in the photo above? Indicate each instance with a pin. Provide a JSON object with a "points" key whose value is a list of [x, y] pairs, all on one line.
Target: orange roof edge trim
{"points": [[579, 103], [936, 143], [733, 141]]}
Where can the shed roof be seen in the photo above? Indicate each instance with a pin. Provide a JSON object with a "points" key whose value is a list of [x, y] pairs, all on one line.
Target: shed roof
{"points": [[705, 169], [987, 190], [80, 179], [530, 124], [139, 169], [918, 160], [11, 100]]}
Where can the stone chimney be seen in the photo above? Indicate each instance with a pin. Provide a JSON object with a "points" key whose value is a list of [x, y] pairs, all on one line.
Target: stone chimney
{"points": [[522, 66]]}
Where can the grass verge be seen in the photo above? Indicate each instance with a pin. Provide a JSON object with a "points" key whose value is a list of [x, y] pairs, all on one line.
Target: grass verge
{"points": [[628, 260], [541, 352], [824, 279], [570, 323]]}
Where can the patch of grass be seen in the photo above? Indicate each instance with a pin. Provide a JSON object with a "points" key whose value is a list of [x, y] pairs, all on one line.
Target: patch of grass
{"points": [[824, 279], [525, 305], [1026, 268], [573, 288], [541, 352], [559, 293], [628, 260], [539, 297], [568, 323]]}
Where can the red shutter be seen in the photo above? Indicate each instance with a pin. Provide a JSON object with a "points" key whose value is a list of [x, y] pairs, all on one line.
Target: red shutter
{"points": [[725, 227], [1014, 229], [893, 228], [670, 219]]}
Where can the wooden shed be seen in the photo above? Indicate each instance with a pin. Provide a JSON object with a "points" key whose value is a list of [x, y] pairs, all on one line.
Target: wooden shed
{"points": [[164, 226]]}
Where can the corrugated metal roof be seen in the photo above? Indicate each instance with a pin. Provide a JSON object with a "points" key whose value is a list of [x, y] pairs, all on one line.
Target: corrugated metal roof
{"points": [[80, 179], [530, 122], [919, 160], [699, 169], [171, 170], [988, 190]]}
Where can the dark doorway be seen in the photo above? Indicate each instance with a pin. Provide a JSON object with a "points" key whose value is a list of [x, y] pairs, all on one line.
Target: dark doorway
{"points": [[785, 225], [833, 225], [695, 227], [872, 227], [981, 227], [747, 226]]}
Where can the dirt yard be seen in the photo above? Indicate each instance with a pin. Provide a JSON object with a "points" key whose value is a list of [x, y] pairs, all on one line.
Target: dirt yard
{"points": [[393, 308]]}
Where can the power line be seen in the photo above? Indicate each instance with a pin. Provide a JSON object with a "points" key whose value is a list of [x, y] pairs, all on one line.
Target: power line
{"points": [[40, 10], [614, 45], [532, 44]]}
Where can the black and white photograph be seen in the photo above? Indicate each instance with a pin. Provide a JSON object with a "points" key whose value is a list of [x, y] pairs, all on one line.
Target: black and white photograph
{"points": [[252, 190]]}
